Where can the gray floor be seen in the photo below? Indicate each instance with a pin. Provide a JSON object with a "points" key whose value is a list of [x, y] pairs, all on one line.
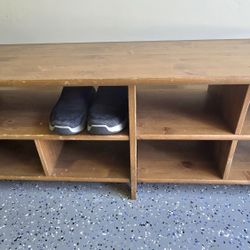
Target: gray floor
{"points": [[38, 215]]}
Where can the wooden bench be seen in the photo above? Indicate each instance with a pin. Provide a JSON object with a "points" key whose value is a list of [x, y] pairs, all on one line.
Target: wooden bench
{"points": [[188, 112]]}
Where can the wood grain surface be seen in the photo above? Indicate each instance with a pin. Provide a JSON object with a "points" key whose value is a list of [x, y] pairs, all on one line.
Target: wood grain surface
{"points": [[210, 61]]}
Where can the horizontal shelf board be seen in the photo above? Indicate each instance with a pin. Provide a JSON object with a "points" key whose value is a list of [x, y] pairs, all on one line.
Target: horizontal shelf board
{"points": [[192, 137], [19, 160], [178, 113], [24, 114], [240, 169], [94, 161], [62, 178], [187, 162], [79, 137], [218, 61], [195, 181]]}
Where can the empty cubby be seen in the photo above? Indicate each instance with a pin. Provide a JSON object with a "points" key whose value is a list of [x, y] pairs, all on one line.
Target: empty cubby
{"points": [[181, 161], [91, 161], [189, 112], [20, 160]]}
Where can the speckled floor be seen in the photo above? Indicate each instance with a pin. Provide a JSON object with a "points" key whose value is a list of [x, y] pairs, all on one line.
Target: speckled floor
{"points": [[38, 215]]}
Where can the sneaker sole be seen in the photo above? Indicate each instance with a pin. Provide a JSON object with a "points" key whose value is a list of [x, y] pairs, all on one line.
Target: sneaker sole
{"points": [[106, 130], [66, 130]]}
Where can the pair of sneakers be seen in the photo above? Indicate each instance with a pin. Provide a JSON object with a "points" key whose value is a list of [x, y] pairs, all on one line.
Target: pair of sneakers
{"points": [[104, 111]]}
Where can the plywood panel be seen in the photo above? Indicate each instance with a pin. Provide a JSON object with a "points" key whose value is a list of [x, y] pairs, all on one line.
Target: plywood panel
{"points": [[211, 62], [49, 152], [246, 125], [133, 140], [240, 169], [224, 153]]}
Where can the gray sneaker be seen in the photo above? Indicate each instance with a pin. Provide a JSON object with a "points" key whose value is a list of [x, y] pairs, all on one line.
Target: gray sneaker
{"points": [[69, 115], [109, 111]]}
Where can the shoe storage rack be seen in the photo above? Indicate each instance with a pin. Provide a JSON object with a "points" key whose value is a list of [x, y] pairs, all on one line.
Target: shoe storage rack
{"points": [[188, 112]]}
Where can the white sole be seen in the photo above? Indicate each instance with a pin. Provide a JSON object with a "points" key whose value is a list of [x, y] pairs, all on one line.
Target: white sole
{"points": [[74, 130], [114, 129]]}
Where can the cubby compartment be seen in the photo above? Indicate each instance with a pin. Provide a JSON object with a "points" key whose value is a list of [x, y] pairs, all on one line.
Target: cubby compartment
{"points": [[180, 161], [24, 114], [240, 168], [188, 112], [93, 161], [19, 160]]}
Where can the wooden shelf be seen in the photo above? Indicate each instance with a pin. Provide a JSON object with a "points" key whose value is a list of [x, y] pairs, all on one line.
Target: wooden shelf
{"points": [[93, 162], [179, 114], [24, 114], [240, 169], [175, 62], [177, 162], [19, 160]]}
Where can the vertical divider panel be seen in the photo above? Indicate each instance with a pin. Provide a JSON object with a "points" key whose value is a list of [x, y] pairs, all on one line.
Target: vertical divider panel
{"points": [[132, 139], [224, 153], [230, 159], [49, 152], [233, 101]]}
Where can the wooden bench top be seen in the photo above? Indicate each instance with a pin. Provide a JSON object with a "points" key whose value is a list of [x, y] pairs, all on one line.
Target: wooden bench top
{"points": [[165, 62]]}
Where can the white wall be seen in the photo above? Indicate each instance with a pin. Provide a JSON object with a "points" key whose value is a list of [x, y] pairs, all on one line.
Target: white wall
{"points": [[31, 21]]}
